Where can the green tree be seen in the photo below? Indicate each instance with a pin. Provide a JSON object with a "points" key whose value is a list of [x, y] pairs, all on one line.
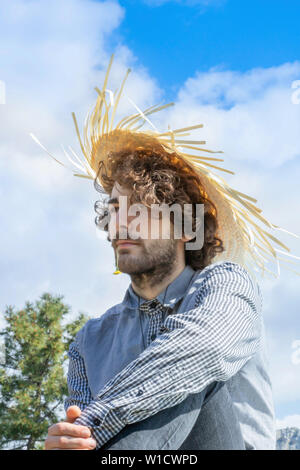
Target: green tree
{"points": [[33, 381]]}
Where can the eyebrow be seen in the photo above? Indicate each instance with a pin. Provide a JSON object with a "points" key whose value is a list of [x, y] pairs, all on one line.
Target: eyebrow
{"points": [[113, 200]]}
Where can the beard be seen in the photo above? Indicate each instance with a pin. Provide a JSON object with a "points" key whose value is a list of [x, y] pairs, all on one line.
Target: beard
{"points": [[152, 264]]}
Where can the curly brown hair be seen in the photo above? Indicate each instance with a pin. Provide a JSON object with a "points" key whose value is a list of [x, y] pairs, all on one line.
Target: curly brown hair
{"points": [[158, 177]]}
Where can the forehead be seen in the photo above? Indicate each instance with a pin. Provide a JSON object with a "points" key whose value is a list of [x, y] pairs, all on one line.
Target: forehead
{"points": [[119, 190]]}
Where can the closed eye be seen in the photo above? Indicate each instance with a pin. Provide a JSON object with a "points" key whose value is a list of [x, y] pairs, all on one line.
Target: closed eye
{"points": [[115, 207]]}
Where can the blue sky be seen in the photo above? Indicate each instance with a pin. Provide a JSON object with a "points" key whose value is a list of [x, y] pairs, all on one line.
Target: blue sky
{"points": [[227, 64], [176, 40]]}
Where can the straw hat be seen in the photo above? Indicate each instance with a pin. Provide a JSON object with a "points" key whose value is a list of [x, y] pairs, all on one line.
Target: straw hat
{"points": [[244, 240]]}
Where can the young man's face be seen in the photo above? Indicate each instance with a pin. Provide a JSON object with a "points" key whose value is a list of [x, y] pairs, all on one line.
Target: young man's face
{"points": [[155, 246]]}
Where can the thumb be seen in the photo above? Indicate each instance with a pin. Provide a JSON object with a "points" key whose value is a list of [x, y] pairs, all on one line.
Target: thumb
{"points": [[73, 412]]}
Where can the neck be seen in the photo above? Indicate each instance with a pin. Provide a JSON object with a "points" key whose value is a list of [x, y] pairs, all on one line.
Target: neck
{"points": [[150, 285]]}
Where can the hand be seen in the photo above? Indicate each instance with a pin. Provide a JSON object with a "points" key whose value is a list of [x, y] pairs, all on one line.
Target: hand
{"points": [[68, 436]]}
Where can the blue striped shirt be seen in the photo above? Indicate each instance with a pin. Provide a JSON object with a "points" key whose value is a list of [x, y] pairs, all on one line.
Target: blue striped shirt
{"points": [[142, 356]]}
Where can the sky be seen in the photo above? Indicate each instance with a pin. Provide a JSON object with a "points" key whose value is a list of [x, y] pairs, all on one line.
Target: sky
{"points": [[227, 64]]}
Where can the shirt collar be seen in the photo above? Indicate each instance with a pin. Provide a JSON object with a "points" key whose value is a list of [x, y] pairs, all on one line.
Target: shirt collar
{"points": [[168, 297]]}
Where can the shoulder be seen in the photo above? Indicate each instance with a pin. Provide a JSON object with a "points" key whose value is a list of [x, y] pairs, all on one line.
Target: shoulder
{"points": [[94, 325], [226, 276], [228, 269]]}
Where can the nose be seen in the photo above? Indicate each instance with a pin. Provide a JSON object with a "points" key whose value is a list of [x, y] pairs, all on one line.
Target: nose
{"points": [[122, 232], [118, 226]]}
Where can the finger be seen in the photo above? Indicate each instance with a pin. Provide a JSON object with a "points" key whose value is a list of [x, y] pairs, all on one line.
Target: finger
{"points": [[57, 448], [67, 442], [72, 413], [68, 429]]}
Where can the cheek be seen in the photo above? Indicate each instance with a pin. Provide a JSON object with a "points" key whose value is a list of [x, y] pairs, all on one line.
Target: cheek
{"points": [[143, 227], [153, 228], [162, 229], [167, 230]]}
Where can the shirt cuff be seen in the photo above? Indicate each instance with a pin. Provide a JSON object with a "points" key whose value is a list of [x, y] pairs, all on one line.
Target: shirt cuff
{"points": [[102, 420]]}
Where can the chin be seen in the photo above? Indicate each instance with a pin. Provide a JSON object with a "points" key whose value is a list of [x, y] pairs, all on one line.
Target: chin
{"points": [[127, 263], [130, 266]]}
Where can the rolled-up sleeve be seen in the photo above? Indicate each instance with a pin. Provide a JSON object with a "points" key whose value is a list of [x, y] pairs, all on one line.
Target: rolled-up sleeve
{"points": [[209, 342], [77, 380]]}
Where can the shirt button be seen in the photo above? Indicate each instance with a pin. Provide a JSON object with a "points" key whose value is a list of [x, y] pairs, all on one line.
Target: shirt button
{"points": [[153, 337], [152, 304], [96, 421], [140, 392]]}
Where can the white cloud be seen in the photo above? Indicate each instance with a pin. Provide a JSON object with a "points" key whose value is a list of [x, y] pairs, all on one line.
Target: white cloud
{"points": [[289, 422], [54, 58], [282, 327], [250, 116]]}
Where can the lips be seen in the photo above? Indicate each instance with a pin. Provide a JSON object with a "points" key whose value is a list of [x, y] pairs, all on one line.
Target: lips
{"points": [[125, 243]]}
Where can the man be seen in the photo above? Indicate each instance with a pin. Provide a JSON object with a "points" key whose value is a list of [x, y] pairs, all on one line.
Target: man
{"points": [[180, 363]]}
